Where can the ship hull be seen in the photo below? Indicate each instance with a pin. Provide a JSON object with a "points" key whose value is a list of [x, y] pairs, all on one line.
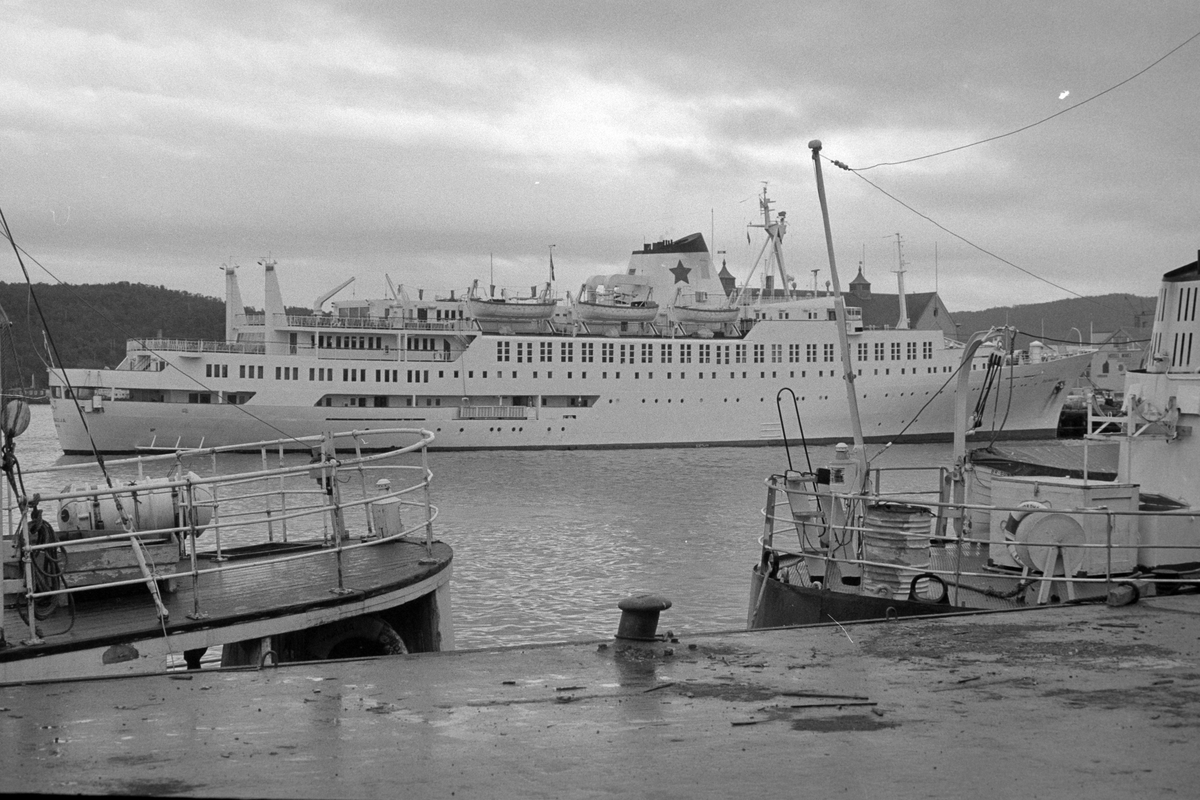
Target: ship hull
{"points": [[619, 408]]}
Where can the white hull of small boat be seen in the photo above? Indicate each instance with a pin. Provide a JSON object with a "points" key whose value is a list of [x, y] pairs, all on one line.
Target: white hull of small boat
{"points": [[510, 310], [602, 312], [704, 315]]}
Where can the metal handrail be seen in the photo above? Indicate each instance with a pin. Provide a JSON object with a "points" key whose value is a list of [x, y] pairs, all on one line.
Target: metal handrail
{"points": [[249, 526]]}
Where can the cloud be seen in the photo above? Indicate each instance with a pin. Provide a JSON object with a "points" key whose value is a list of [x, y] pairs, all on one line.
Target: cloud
{"points": [[140, 139]]}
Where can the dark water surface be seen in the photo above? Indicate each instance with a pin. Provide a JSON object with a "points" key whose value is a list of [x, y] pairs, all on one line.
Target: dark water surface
{"points": [[546, 543]]}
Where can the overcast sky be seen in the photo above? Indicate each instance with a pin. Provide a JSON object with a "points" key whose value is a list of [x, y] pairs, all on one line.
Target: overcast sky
{"points": [[156, 141]]}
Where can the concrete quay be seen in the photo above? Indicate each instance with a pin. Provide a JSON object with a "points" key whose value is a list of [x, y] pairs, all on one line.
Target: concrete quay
{"points": [[1060, 702]]}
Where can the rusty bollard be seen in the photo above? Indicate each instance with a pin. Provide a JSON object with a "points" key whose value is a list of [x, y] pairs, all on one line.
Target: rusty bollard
{"points": [[639, 616]]}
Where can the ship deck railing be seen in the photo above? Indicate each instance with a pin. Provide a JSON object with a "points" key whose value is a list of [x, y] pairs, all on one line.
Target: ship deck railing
{"points": [[193, 346], [287, 514], [370, 323], [844, 542]]}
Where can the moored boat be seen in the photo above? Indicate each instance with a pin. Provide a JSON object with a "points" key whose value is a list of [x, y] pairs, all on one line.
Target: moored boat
{"points": [[615, 299], [705, 315], [514, 372], [156, 561], [536, 308], [852, 541]]}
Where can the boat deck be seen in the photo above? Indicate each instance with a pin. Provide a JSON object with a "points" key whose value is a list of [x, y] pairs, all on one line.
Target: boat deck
{"points": [[1070, 701], [260, 587]]}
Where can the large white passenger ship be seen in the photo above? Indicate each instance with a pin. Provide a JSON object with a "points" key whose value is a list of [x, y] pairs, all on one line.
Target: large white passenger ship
{"points": [[665, 354]]}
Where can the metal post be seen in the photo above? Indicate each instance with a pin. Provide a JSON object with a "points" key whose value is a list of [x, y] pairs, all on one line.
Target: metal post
{"points": [[362, 480], [1108, 532], [267, 496], [333, 492], [428, 504], [192, 533], [216, 522], [27, 557], [282, 497]]}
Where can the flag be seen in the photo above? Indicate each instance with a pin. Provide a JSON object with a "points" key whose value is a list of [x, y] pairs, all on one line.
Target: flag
{"points": [[552, 265]]}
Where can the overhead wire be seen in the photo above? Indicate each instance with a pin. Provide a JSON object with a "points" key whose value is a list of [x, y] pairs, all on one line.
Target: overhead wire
{"points": [[964, 239], [1024, 128], [858, 171]]}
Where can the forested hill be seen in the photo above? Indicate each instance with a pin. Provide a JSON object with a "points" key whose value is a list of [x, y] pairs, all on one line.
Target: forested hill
{"points": [[1053, 322], [89, 323]]}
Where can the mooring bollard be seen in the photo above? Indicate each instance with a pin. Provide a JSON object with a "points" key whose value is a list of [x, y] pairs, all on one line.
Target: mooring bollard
{"points": [[639, 616]]}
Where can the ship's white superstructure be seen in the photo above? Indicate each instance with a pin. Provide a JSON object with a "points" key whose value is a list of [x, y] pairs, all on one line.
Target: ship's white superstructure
{"points": [[694, 374]]}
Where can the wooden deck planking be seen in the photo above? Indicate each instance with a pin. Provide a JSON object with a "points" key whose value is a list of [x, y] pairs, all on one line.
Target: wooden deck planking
{"points": [[242, 589]]}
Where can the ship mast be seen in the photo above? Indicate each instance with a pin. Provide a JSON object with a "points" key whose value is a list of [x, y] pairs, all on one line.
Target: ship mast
{"points": [[775, 229], [902, 323], [839, 305]]}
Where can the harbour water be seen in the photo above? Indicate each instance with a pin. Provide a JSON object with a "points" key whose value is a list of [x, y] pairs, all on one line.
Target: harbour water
{"points": [[546, 542]]}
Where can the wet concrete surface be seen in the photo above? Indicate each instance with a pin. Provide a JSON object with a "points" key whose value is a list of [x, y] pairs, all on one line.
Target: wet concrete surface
{"points": [[1065, 702]]}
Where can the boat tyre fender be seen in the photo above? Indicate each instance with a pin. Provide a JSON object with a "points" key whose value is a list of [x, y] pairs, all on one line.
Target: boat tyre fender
{"points": [[1014, 521], [362, 636]]}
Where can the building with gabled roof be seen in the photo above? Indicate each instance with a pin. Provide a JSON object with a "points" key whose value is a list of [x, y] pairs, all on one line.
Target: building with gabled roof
{"points": [[926, 311]]}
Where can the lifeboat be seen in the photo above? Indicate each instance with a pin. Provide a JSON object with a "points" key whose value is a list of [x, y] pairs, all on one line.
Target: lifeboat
{"points": [[615, 298], [705, 314], [534, 308], [696, 309]]}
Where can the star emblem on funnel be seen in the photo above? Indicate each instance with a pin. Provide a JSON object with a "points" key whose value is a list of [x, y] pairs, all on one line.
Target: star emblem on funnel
{"points": [[680, 272]]}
